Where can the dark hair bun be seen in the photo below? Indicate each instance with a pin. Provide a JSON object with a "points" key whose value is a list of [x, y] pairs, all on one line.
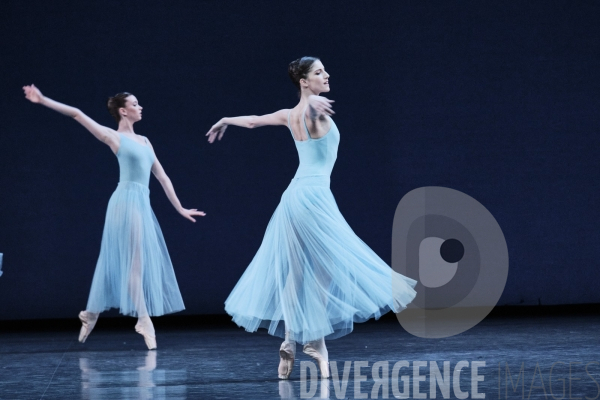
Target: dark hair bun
{"points": [[117, 101], [299, 69]]}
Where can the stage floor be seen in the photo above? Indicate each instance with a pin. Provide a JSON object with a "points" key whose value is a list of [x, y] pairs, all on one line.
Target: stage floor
{"points": [[525, 357]]}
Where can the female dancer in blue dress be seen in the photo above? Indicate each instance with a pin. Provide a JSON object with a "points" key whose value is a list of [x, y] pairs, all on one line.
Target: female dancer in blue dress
{"points": [[312, 277], [134, 271]]}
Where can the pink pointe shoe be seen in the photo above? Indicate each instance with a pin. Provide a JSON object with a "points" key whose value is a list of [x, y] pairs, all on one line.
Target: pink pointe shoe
{"points": [[88, 321], [287, 353], [318, 352], [145, 328]]}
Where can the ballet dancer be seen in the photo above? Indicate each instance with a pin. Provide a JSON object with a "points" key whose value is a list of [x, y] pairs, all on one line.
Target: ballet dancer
{"points": [[312, 277], [134, 271]]}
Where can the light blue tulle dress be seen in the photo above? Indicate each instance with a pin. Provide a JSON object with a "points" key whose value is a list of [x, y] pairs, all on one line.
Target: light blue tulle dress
{"points": [[134, 271], [312, 275]]}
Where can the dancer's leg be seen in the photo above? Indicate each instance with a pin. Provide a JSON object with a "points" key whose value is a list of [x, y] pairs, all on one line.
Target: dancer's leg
{"points": [[317, 350], [135, 284], [287, 350], [144, 325]]}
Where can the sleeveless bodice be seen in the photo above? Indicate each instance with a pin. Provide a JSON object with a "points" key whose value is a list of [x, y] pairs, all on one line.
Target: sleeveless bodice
{"points": [[135, 161], [317, 156]]}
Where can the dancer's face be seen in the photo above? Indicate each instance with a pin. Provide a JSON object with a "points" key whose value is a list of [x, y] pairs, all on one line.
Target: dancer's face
{"points": [[317, 80], [132, 109]]}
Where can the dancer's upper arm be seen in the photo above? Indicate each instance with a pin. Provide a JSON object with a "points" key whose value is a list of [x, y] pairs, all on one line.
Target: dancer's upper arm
{"points": [[102, 133], [276, 118]]}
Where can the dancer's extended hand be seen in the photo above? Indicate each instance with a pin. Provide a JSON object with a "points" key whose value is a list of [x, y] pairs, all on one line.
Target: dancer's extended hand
{"points": [[216, 131], [33, 94], [189, 214], [321, 105]]}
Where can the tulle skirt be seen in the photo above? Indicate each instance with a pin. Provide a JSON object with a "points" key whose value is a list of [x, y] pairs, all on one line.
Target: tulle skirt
{"points": [[312, 275], [134, 271]]}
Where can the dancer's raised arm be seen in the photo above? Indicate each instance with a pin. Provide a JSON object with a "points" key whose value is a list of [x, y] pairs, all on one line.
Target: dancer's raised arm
{"points": [[248, 121], [102, 133]]}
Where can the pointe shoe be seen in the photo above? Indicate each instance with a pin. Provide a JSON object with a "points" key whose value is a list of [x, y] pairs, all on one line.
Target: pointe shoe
{"points": [[321, 357], [287, 353], [88, 321], [143, 329]]}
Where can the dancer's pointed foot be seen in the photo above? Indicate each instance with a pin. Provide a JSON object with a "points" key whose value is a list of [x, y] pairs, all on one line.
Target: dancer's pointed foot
{"points": [[145, 328], [287, 354], [88, 321], [317, 350]]}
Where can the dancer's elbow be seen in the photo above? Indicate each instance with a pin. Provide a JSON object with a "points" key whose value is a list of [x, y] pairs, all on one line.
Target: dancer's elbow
{"points": [[76, 113], [252, 122]]}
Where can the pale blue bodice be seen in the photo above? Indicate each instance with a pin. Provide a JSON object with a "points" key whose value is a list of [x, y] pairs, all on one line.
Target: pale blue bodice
{"points": [[317, 156], [135, 161]]}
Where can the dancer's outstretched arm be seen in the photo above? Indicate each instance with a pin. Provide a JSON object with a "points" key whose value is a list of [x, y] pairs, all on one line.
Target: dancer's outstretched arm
{"points": [[102, 133], [317, 109], [167, 186], [248, 121]]}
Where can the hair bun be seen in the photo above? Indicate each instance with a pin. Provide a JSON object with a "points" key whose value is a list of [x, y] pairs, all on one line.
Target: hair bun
{"points": [[119, 100], [293, 68], [299, 69]]}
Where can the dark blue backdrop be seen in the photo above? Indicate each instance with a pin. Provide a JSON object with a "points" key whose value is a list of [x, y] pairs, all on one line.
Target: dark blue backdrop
{"points": [[496, 99]]}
